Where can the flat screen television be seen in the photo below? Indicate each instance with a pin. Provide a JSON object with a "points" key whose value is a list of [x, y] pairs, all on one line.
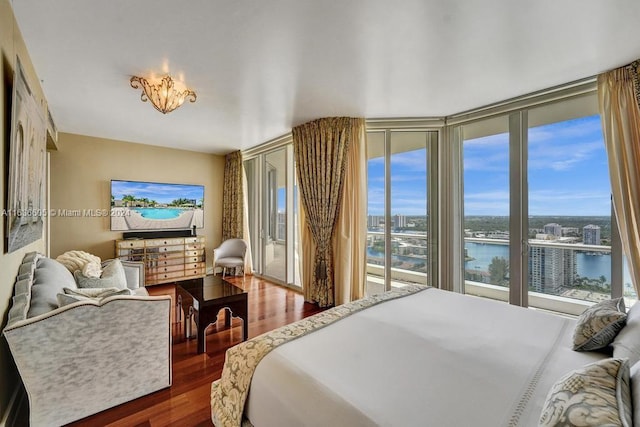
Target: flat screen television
{"points": [[152, 206]]}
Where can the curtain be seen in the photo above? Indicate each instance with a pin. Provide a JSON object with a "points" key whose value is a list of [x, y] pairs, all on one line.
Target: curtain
{"points": [[306, 251], [619, 102], [350, 237], [232, 197], [246, 234], [320, 149]]}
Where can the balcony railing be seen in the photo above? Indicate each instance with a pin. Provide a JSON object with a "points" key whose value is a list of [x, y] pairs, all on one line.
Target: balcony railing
{"points": [[569, 295]]}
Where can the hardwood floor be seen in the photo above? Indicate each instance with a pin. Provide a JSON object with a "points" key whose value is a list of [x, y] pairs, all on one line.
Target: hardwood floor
{"points": [[186, 402]]}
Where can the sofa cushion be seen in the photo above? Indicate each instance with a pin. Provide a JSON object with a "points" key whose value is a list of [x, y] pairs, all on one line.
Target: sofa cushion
{"points": [[113, 276], [94, 294], [50, 278]]}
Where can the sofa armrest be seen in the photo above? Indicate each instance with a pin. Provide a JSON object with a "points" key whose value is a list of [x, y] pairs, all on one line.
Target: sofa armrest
{"points": [[88, 356]]}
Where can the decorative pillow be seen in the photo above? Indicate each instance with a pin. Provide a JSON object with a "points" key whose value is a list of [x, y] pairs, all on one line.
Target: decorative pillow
{"points": [[627, 342], [95, 294], [113, 276], [76, 260], [599, 325], [597, 394], [92, 269]]}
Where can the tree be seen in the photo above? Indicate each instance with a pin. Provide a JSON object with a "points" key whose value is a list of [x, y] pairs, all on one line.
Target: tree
{"points": [[128, 199], [498, 270]]}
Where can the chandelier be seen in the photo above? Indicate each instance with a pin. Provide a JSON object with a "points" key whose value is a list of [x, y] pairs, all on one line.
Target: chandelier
{"points": [[163, 93]]}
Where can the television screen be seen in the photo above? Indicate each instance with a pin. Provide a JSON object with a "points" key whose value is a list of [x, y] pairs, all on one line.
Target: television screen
{"points": [[150, 206]]}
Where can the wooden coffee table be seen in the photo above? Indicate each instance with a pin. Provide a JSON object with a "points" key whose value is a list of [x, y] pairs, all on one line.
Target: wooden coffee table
{"points": [[207, 297]]}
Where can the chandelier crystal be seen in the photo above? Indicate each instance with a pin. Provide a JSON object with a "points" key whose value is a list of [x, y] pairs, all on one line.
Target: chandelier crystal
{"points": [[163, 93]]}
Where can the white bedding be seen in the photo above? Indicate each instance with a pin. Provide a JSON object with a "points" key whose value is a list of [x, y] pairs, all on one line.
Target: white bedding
{"points": [[434, 358]]}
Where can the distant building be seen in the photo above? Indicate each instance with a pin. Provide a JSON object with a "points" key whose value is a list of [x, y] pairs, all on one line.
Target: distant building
{"points": [[553, 229], [399, 221], [591, 234], [570, 231], [550, 269], [374, 221]]}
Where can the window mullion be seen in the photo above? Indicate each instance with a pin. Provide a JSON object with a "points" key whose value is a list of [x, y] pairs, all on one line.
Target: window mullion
{"points": [[518, 211], [617, 259]]}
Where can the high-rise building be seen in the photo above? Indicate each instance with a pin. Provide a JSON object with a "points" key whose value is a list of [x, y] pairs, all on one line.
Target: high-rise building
{"points": [[399, 221], [591, 234], [553, 229], [550, 269], [374, 221]]}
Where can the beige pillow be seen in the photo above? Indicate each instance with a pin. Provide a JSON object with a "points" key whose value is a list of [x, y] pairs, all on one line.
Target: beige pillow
{"points": [[76, 260]]}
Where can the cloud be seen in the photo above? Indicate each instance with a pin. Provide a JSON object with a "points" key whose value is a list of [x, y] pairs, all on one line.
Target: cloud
{"points": [[563, 157]]}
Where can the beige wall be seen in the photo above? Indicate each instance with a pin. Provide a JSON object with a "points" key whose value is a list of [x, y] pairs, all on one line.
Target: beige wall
{"points": [[11, 45], [81, 174]]}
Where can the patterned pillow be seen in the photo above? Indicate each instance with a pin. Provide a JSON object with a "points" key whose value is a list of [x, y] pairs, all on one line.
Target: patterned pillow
{"points": [[597, 394], [113, 275], [96, 294], [599, 325]]}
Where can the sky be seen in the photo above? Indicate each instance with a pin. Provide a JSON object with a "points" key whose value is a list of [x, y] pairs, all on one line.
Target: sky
{"points": [[161, 193], [568, 174], [408, 183]]}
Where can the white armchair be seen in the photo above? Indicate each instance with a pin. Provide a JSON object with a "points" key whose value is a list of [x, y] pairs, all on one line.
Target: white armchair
{"points": [[230, 254]]}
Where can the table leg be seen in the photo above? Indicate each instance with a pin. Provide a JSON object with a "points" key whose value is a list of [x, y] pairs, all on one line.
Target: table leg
{"points": [[179, 308], [187, 323], [227, 317]]}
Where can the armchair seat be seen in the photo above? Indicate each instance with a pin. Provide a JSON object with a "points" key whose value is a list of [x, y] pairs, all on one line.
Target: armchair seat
{"points": [[230, 254]]}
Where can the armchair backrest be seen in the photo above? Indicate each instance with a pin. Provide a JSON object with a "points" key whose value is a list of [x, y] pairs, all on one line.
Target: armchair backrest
{"points": [[232, 248]]}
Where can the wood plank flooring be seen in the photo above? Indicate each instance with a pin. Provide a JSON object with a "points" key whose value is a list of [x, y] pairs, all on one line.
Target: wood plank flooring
{"points": [[186, 402]]}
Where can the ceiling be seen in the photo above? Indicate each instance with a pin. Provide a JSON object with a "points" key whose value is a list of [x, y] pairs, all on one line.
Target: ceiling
{"points": [[261, 67]]}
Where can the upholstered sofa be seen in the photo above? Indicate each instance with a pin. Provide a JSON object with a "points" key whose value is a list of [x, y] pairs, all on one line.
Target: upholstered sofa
{"points": [[90, 355]]}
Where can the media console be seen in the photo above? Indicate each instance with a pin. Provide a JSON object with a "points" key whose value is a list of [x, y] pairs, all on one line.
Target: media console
{"points": [[166, 259]]}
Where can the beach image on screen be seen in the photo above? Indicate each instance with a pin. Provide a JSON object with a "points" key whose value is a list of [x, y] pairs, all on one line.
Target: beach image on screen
{"points": [[139, 205]]}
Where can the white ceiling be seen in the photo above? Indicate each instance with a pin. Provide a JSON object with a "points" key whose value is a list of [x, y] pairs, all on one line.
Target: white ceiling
{"points": [[260, 67]]}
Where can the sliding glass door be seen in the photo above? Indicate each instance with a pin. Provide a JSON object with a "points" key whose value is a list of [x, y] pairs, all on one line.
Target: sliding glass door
{"points": [[272, 214], [485, 150], [399, 242], [274, 235]]}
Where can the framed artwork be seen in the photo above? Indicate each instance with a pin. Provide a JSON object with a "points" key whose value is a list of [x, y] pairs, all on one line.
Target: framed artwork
{"points": [[26, 207]]}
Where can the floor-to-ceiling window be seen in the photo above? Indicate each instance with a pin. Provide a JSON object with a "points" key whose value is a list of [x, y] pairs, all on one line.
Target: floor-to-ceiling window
{"points": [[569, 235], [398, 220], [537, 209], [485, 150]]}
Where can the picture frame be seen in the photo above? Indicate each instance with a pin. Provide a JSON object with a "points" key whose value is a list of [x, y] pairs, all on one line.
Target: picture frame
{"points": [[26, 203]]}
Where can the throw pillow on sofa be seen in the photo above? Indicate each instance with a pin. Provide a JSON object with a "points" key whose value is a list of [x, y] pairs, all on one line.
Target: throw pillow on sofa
{"points": [[113, 276], [77, 260], [95, 294]]}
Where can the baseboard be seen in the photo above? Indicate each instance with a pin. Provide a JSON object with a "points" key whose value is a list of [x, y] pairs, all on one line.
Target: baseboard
{"points": [[15, 408]]}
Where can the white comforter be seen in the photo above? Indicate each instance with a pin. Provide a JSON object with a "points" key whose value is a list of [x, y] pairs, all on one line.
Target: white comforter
{"points": [[434, 358]]}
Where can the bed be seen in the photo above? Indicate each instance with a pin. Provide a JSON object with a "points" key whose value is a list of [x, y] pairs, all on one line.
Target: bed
{"points": [[413, 356]]}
